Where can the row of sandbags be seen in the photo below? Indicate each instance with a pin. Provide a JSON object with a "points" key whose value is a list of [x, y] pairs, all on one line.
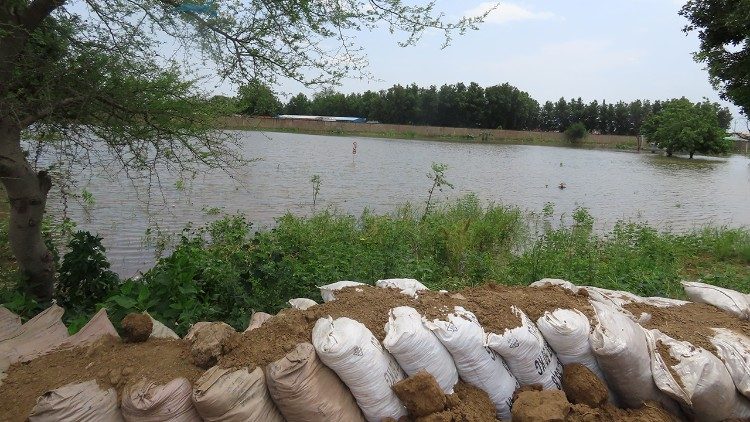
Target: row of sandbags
{"points": [[299, 387], [614, 346]]}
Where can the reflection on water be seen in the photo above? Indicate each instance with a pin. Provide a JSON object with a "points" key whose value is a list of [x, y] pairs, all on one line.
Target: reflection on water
{"points": [[666, 192]]}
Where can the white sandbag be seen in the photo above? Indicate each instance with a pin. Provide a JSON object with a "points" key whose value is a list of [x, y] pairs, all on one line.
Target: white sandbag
{"points": [[257, 319], [327, 291], [9, 323], [728, 300], [416, 348], [407, 286], [148, 402], [234, 396], [302, 303], [567, 332], [350, 349], [620, 298], [545, 282], [160, 330], [734, 350], [98, 326], [306, 390], [477, 364], [621, 349], [36, 337], [82, 402], [527, 354], [698, 380]]}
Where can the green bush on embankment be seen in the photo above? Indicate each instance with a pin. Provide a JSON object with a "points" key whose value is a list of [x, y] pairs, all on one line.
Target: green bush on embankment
{"points": [[226, 269]]}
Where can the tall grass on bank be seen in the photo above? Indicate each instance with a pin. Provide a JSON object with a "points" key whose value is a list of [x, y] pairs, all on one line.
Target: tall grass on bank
{"points": [[226, 270]]}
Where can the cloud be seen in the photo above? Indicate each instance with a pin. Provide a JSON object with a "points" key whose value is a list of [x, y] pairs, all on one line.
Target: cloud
{"points": [[506, 12]]}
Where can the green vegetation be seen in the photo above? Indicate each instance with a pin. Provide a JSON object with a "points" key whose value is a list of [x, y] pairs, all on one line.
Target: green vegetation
{"points": [[225, 270], [724, 33], [576, 132], [682, 126]]}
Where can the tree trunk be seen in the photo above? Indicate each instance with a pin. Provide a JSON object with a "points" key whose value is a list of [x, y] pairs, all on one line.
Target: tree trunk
{"points": [[27, 195], [691, 154]]}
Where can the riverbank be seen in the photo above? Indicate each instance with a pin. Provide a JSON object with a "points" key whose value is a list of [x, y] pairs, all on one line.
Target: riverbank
{"points": [[434, 133], [228, 268]]}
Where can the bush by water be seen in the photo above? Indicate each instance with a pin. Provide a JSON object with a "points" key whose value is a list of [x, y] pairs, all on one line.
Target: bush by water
{"points": [[226, 270]]}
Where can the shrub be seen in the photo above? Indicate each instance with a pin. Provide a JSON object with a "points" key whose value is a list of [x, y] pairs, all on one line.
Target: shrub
{"points": [[576, 132]]}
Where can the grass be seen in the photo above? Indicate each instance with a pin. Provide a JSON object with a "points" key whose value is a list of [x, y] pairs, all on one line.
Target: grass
{"points": [[226, 269]]}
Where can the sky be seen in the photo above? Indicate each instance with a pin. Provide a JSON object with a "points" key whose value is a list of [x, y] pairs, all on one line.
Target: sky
{"points": [[593, 49]]}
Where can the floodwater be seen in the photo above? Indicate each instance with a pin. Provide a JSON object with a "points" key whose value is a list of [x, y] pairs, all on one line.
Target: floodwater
{"points": [[670, 193]]}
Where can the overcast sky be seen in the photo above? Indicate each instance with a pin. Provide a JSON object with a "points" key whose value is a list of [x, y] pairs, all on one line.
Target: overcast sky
{"points": [[595, 49]]}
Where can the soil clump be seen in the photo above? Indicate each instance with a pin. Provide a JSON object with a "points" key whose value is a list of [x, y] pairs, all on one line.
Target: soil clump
{"points": [[691, 322], [109, 361], [136, 327], [466, 404], [421, 394], [581, 386]]}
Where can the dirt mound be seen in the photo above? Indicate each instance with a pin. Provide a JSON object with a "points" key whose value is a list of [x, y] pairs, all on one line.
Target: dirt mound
{"points": [[547, 405], [581, 386], [109, 361], [691, 322], [136, 327], [425, 402]]}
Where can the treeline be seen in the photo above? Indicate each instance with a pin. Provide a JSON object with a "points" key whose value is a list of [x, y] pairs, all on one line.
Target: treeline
{"points": [[460, 105]]}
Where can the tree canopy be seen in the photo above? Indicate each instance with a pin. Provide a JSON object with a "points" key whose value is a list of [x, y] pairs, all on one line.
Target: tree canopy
{"points": [[682, 126], [93, 81], [724, 31]]}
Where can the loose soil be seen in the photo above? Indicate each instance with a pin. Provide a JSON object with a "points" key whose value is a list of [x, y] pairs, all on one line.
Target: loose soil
{"points": [[691, 322], [421, 394], [136, 327], [466, 404], [109, 361]]}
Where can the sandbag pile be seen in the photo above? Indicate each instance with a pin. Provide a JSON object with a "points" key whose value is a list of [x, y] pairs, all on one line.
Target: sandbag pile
{"points": [[344, 373]]}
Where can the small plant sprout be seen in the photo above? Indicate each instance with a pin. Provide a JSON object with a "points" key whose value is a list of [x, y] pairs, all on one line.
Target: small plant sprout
{"points": [[438, 181], [315, 180]]}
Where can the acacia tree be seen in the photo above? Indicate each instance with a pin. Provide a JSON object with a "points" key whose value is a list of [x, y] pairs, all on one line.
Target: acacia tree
{"points": [[681, 126], [92, 77], [724, 31]]}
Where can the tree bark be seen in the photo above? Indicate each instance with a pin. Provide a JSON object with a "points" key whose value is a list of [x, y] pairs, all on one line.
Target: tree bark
{"points": [[27, 195]]}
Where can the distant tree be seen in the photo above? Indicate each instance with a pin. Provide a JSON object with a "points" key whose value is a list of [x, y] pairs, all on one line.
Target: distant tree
{"points": [[299, 104], [257, 99], [576, 132], [681, 126], [724, 32], [591, 115], [562, 115], [547, 119], [510, 108], [223, 105]]}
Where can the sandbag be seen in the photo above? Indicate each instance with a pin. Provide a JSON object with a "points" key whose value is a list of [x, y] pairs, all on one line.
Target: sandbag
{"points": [[327, 291], [160, 330], [82, 402], [148, 402], [234, 396], [694, 377], [545, 282], [98, 326], [727, 300], [477, 364], [527, 354], [306, 390], [350, 349], [257, 319], [620, 298], [621, 349], [567, 332], [302, 303], [734, 350], [416, 348], [9, 323], [407, 286], [36, 337]]}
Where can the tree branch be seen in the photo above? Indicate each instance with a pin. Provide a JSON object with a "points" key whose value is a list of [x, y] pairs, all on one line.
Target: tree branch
{"points": [[37, 11], [45, 112]]}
